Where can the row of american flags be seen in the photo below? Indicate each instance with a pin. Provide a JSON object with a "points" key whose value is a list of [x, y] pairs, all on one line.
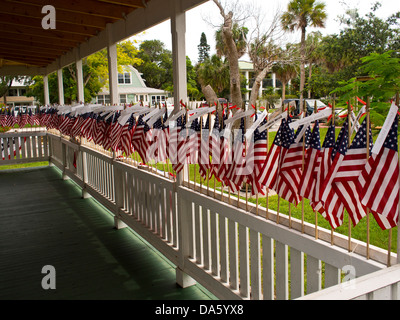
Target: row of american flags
{"points": [[336, 175]]}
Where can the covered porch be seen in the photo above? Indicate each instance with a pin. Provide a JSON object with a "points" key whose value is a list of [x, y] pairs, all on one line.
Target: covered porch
{"points": [[236, 251], [45, 221]]}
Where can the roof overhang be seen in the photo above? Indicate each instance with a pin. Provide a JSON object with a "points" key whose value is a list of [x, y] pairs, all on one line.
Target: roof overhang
{"points": [[83, 27]]}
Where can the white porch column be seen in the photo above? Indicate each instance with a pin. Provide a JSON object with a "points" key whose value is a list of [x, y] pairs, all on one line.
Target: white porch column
{"points": [[79, 77], [247, 75], [178, 30], [60, 87], [46, 90], [112, 66], [274, 81]]}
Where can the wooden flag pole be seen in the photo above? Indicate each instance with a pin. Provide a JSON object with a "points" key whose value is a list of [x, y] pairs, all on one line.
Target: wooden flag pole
{"points": [[267, 190], [368, 142], [349, 143], [302, 168], [334, 123], [194, 170], [315, 211], [186, 136], [398, 222], [209, 166], [255, 112], [199, 156], [279, 198]]}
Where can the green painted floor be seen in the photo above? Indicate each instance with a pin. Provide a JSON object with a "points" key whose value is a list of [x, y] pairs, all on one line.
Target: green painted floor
{"points": [[44, 221]]}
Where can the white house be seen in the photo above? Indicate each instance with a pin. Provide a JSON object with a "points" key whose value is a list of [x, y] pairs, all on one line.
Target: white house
{"points": [[16, 95], [247, 69], [132, 89]]}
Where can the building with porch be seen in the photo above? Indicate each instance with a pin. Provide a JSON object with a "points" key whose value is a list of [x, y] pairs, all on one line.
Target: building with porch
{"points": [[132, 89], [235, 249], [16, 95], [247, 69]]}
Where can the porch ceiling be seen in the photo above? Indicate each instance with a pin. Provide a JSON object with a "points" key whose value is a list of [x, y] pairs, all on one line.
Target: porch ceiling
{"points": [[24, 41], [82, 28]]}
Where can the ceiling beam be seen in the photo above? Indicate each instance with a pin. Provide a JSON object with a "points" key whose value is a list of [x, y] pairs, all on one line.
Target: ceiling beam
{"points": [[37, 23], [49, 34], [30, 45], [128, 3], [92, 7], [28, 60], [65, 44], [29, 53], [33, 11]]}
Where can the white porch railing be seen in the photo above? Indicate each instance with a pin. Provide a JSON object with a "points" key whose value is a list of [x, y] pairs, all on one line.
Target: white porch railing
{"points": [[23, 146], [234, 253]]}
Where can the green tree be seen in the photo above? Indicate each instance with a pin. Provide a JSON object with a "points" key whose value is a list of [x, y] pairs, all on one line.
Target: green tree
{"points": [[301, 14], [215, 72], [157, 64], [285, 72], [204, 48], [380, 82], [95, 75]]}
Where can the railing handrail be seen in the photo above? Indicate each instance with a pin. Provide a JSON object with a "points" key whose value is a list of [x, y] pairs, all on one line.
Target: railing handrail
{"points": [[361, 287], [183, 197]]}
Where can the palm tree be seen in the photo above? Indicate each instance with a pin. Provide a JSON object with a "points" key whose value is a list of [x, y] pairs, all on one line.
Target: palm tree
{"points": [[284, 73], [301, 14], [214, 71], [312, 55]]}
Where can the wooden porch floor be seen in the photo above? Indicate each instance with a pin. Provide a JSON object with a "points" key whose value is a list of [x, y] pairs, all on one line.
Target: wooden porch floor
{"points": [[44, 221]]}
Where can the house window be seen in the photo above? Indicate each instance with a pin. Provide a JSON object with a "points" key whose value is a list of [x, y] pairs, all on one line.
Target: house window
{"points": [[124, 78], [122, 98], [104, 99], [13, 92]]}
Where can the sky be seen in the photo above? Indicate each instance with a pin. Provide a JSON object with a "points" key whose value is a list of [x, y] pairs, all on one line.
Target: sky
{"points": [[196, 21]]}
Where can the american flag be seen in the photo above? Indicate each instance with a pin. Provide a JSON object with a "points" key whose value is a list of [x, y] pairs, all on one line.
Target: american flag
{"points": [[106, 143], [23, 119], [139, 139], [32, 118], [116, 131], [324, 162], [215, 148], [3, 118], [291, 164], [127, 135], [98, 130], [378, 182], [10, 119], [87, 124], [204, 149], [193, 142], [157, 142], [269, 171], [236, 170], [258, 149], [333, 206], [225, 151], [66, 124], [349, 168], [77, 126], [175, 142], [178, 144], [311, 162]]}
